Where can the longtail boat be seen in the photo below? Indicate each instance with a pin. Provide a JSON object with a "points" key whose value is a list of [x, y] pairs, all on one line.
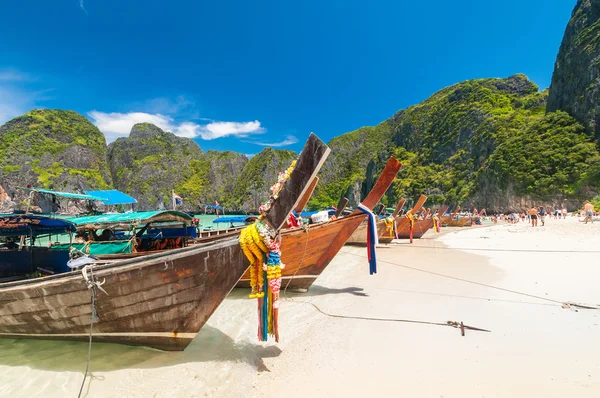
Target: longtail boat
{"points": [[307, 251], [359, 237], [446, 220], [384, 233], [437, 218], [403, 223], [389, 232], [159, 300], [457, 220]]}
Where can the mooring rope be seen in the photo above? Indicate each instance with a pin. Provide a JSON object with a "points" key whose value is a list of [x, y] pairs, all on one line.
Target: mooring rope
{"points": [[562, 303], [453, 324], [92, 284], [494, 250]]}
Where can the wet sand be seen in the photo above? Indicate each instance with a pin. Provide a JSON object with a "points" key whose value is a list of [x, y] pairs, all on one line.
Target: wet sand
{"points": [[536, 348]]}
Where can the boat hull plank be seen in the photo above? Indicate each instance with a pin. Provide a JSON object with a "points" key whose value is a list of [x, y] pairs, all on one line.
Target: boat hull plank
{"points": [[179, 291]]}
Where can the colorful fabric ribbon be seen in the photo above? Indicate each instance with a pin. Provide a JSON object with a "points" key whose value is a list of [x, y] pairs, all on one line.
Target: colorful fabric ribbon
{"points": [[372, 238]]}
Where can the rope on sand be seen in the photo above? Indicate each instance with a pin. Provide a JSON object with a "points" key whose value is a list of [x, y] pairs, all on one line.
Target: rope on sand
{"points": [[496, 250], [453, 324], [564, 304]]}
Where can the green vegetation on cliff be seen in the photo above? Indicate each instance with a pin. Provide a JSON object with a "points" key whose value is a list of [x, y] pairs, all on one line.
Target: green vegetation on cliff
{"points": [[484, 140], [150, 163], [53, 149], [258, 175]]}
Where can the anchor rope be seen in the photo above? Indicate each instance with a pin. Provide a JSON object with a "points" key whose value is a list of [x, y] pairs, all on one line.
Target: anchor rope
{"points": [[453, 324], [563, 303], [92, 284]]}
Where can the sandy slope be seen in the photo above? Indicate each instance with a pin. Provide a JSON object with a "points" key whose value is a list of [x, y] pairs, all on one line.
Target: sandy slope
{"points": [[535, 349]]}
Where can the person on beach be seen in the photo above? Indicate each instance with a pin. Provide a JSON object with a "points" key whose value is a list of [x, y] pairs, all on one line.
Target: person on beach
{"points": [[542, 215], [564, 213], [533, 212], [588, 209]]}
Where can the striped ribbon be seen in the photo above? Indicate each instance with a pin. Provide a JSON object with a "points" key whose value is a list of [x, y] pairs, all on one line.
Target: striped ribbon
{"points": [[372, 238]]}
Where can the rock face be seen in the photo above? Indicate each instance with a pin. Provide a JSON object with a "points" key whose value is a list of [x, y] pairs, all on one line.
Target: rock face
{"points": [[150, 163], [52, 149], [575, 86], [480, 143], [224, 171], [257, 177]]}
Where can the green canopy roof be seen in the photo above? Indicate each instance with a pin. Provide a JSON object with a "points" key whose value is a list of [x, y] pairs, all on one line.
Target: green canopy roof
{"points": [[135, 218], [67, 194]]}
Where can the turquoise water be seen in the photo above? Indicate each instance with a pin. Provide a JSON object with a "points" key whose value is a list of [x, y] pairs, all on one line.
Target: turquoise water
{"points": [[206, 221]]}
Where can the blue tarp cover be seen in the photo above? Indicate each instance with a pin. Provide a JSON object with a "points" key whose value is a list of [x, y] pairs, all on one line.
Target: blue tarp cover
{"points": [[113, 197], [32, 225], [138, 218], [66, 194]]}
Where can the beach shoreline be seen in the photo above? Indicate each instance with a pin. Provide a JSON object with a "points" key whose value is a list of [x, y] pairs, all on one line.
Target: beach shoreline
{"points": [[535, 347]]}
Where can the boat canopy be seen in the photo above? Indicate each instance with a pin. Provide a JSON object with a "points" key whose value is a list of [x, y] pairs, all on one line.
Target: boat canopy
{"points": [[331, 212], [33, 225], [67, 194], [133, 218], [113, 197]]}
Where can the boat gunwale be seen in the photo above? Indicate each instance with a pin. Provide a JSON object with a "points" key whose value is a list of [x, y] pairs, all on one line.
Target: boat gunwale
{"points": [[125, 264]]}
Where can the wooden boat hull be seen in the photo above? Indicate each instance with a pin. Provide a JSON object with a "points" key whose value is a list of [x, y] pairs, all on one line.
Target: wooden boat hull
{"points": [[359, 237], [161, 301], [461, 222], [419, 229], [306, 253]]}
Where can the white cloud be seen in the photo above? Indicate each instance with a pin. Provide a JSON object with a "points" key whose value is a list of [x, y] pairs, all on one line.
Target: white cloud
{"points": [[214, 130], [115, 125], [249, 155], [289, 140]]}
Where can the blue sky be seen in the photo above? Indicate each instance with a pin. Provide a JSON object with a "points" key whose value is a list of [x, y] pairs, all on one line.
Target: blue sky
{"points": [[243, 74]]}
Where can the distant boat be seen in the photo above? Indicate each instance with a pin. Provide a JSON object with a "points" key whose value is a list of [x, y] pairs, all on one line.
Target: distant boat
{"points": [[307, 251], [159, 300]]}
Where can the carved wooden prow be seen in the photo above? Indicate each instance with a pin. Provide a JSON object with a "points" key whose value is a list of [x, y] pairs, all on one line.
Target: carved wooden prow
{"points": [[341, 206], [386, 178], [306, 197], [399, 207], [417, 207], [309, 163], [455, 211], [442, 210]]}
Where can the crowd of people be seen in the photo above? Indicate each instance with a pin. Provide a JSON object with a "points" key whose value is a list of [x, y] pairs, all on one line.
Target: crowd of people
{"points": [[537, 215]]}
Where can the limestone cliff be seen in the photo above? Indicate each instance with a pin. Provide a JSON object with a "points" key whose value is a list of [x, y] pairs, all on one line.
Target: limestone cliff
{"points": [[484, 143], [150, 163], [52, 149], [575, 86]]}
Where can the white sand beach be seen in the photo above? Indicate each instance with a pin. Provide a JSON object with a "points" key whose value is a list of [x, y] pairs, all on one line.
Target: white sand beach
{"points": [[536, 348]]}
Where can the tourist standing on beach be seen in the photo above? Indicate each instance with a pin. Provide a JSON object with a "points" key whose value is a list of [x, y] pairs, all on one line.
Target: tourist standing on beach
{"points": [[542, 215], [533, 212], [588, 209]]}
